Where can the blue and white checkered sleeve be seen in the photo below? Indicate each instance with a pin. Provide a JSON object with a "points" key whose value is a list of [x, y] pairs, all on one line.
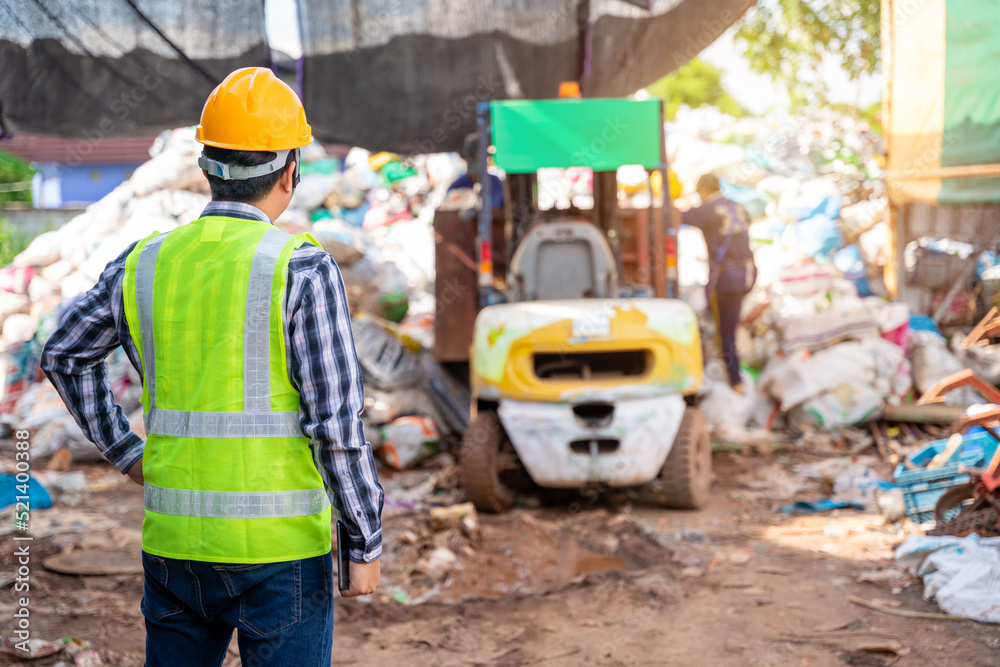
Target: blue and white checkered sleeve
{"points": [[324, 366], [74, 361]]}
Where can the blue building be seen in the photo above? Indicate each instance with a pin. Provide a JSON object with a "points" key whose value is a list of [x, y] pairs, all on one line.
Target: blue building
{"points": [[77, 172]]}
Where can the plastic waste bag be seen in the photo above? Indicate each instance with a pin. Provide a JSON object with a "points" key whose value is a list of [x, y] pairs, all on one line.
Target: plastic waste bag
{"points": [[961, 573], [38, 496], [389, 360], [406, 440]]}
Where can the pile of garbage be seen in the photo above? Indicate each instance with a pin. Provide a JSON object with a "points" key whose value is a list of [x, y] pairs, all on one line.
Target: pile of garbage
{"points": [[812, 185], [821, 345], [372, 212]]}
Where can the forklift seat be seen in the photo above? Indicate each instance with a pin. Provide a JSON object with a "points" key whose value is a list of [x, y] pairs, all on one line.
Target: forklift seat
{"points": [[564, 259]]}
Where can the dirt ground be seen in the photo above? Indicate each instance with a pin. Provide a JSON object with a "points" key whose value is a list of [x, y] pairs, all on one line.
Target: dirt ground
{"points": [[584, 580]]}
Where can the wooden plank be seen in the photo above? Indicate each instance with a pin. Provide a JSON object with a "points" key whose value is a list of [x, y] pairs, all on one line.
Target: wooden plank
{"points": [[959, 171], [963, 378], [923, 414], [977, 332], [876, 430], [95, 563], [989, 416]]}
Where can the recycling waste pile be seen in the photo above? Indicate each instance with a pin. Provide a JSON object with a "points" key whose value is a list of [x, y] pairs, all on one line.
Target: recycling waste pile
{"points": [[821, 345], [829, 363], [372, 213]]}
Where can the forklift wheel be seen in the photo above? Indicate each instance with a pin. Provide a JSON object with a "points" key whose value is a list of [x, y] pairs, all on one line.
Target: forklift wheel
{"points": [[686, 477], [480, 461]]}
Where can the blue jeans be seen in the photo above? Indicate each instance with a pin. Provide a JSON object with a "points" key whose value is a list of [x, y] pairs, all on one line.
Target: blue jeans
{"points": [[726, 309], [283, 612]]}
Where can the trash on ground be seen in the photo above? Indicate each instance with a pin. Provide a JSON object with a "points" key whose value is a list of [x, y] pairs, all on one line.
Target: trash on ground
{"points": [[818, 506], [962, 574], [38, 497]]}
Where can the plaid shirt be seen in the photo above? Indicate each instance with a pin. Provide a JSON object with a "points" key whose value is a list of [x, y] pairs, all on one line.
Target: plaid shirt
{"points": [[322, 362]]}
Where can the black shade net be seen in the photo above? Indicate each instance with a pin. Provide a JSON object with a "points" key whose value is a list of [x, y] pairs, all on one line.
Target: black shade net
{"points": [[401, 75], [102, 68], [407, 76]]}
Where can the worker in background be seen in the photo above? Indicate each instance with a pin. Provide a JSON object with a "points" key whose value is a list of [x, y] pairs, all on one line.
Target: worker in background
{"points": [[731, 269], [252, 398], [470, 153]]}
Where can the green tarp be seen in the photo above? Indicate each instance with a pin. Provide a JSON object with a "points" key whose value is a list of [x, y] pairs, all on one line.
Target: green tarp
{"points": [[943, 120], [971, 98], [602, 134]]}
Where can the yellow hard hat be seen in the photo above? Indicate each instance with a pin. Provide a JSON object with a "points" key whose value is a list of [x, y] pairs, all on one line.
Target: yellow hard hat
{"points": [[253, 110], [656, 180], [379, 160]]}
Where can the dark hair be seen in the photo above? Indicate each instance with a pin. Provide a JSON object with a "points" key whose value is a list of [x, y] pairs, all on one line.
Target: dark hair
{"points": [[252, 189], [708, 182], [470, 147]]}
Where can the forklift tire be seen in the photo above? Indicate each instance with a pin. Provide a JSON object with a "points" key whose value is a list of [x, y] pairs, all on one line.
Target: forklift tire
{"points": [[479, 461], [686, 477]]}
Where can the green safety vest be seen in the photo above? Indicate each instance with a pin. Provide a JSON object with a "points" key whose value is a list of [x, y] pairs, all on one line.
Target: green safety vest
{"points": [[229, 475]]}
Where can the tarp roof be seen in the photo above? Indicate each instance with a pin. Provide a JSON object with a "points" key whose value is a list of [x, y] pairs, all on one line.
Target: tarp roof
{"points": [[407, 76], [383, 74], [95, 69]]}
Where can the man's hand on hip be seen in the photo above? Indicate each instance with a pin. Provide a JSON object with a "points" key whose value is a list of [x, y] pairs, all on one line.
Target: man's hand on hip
{"points": [[365, 578], [135, 472]]}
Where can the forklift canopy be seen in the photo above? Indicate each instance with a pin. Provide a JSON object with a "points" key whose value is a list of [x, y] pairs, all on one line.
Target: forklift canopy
{"points": [[602, 134]]}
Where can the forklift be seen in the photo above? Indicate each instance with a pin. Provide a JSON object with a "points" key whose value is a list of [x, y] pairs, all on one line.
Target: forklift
{"points": [[578, 379]]}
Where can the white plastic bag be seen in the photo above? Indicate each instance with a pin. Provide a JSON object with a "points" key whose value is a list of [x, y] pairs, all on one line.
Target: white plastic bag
{"points": [[42, 251], [174, 164], [12, 304], [722, 405], [932, 362], [346, 244], [961, 573], [844, 405], [311, 191]]}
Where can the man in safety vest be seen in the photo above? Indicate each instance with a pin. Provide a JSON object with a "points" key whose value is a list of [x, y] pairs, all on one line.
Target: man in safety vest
{"points": [[252, 399], [731, 269]]}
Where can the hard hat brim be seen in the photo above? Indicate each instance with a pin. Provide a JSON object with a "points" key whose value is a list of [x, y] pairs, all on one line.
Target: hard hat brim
{"points": [[276, 146]]}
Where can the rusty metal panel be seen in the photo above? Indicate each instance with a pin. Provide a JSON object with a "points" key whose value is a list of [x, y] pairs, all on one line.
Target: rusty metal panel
{"points": [[967, 223], [456, 289], [635, 246]]}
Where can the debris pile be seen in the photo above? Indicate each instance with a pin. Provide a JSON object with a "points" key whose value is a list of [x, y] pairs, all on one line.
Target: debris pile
{"points": [[372, 213], [821, 346]]}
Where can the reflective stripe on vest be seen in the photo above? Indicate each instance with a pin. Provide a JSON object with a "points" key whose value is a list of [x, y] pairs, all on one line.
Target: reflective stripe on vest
{"points": [[256, 420], [181, 424], [234, 505]]}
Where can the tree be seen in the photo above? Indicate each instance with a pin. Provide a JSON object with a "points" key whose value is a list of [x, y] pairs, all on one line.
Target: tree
{"points": [[15, 185], [697, 83], [789, 40], [15, 178]]}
